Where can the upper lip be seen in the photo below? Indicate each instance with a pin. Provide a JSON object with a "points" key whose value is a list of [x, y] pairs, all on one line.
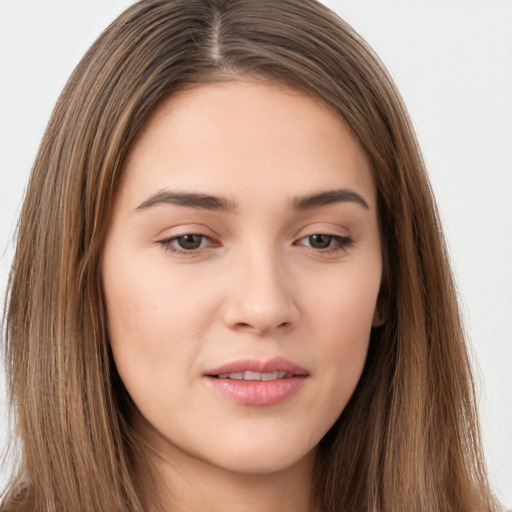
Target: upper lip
{"points": [[276, 364]]}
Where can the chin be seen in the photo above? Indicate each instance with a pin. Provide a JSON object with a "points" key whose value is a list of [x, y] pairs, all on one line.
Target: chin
{"points": [[263, 456]]}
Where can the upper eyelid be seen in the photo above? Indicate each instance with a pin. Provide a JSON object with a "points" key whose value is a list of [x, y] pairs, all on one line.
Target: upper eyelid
{"points": [[194, 233], [303, 233], [340, 238], [170, 239], [185, 229], [329, 229]]}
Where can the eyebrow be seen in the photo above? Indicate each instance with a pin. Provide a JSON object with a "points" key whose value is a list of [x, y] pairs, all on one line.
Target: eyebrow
{"points": [[342, 195], [190, 200], [220, 204]]}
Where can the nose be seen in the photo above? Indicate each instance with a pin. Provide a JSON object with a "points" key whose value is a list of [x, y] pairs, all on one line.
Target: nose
{"points": [[261, 298]]}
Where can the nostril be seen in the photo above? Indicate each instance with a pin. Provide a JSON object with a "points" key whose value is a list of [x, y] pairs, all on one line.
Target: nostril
{"points": [[248, 326], [243, 325]]}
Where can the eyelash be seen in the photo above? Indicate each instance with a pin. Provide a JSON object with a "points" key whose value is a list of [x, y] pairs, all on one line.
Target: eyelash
{"points": [[341, 243], [168, 244]]}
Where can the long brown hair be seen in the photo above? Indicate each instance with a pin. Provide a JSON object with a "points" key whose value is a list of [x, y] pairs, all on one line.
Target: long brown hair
{"points": [[408, 439]]}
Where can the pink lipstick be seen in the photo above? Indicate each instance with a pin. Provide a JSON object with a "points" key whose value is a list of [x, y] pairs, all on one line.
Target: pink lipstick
{"points": [[253, 382]]}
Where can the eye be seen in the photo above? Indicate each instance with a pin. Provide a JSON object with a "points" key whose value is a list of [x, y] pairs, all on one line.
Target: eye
{"points": [[326, 243], [185, 243], [190, 242], [320, 241]]}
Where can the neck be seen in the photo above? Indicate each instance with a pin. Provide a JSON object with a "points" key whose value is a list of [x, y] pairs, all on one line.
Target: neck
{"points": [[192, 485]]}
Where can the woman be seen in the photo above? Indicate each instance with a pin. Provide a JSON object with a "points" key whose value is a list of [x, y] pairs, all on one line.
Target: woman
{"points": [[230, 289]]}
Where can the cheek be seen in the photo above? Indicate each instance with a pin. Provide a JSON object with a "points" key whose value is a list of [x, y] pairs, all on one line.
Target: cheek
{"points": [[146, 301], [345, 343], [343, 301], [343, 317], [151, 340], [153, 325]]}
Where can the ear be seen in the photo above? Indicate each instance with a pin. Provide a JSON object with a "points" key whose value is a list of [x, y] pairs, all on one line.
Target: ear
{"points": [[381, 313], [379, 318]]}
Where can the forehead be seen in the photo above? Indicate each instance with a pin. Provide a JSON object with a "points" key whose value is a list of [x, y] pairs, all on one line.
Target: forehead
{"points": [[246, 135]]}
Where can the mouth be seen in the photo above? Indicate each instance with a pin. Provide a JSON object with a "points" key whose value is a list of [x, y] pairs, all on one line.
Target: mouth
{"points": [[253, 382], [255, 369], [254, 376]]}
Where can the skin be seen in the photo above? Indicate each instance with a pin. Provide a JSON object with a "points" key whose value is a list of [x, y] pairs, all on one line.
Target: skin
{"points": [[256, 284]]}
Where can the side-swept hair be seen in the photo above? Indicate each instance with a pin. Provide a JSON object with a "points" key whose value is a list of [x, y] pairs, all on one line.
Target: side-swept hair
{"points": [[407, 441]]}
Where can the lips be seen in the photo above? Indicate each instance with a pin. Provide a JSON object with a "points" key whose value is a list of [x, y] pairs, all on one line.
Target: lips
{"points": [[265, 376], [277, 364], [254, 382]]}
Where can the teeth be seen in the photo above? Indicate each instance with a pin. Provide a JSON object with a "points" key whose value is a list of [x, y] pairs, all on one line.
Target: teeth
{"points": [[252, 376], [265, 376], [235, 376]]}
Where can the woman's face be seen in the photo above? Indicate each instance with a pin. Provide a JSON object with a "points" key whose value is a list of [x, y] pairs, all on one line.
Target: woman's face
{"points": [[241, 272]]}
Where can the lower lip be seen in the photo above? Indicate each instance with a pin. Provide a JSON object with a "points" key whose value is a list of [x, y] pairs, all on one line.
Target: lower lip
{"points": [[256, 392]]}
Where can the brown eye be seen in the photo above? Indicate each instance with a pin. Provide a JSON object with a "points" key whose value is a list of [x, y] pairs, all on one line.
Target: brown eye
{"points": [[325, 244], [320, 241], [189, 242]]}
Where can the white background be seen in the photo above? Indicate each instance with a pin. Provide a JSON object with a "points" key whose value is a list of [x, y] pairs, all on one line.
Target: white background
{"points": [[452, 61]]}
